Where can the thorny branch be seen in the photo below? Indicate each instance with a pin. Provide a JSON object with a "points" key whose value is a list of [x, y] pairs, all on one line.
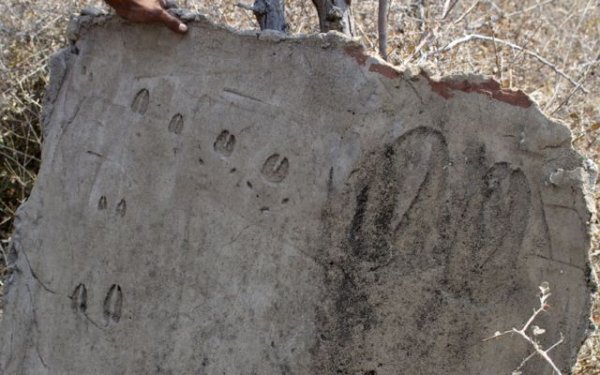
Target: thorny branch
{"points": [[536, 331]]}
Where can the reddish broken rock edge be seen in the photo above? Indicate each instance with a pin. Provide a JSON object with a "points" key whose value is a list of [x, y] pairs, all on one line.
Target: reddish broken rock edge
{"points": [[385, 70], [444, 88], [489, 87]]}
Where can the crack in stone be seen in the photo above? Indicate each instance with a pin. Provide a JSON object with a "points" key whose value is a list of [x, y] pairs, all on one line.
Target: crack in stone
{"points": [[35, 276]]}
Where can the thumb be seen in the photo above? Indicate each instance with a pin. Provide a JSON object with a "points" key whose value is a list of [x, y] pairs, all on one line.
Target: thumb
{"points": [[172, 22]]}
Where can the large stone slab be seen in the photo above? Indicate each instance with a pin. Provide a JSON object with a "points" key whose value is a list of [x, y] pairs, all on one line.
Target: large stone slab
{"points": [[241, 203]]}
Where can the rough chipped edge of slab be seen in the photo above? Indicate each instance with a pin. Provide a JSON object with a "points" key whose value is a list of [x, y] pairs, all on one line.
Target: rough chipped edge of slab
{"points": [[446, 87]]}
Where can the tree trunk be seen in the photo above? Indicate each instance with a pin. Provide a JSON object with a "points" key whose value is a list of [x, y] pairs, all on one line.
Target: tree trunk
{"points": [[335, 15], [270, 15]]}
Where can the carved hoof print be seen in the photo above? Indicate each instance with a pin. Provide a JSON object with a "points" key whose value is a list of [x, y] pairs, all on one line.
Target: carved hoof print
{"points": [[225, 143], [79, 299], [102, 203], [140, 102], [113, 305], [176, 124], [276, 168], [121, 208]]}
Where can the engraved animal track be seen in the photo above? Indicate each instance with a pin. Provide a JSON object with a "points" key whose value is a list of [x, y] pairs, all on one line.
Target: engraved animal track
{"points": [[121, 208], [102, 204], [384, 235], [140, 102], [400, 183], [79, 299], [176, 124], [505, 213], [411, 245], [225, 143], [113, 305], [276, 168], [489, 246]]}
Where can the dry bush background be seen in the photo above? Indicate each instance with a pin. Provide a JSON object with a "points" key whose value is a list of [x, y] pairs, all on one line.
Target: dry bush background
{"points": [[548, 48]]}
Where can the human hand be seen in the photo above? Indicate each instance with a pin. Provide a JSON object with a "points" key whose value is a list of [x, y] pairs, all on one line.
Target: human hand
{"points": [[147, 11]]}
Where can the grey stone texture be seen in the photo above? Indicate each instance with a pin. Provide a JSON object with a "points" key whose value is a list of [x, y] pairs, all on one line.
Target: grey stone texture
{"points": [[248, 203]]}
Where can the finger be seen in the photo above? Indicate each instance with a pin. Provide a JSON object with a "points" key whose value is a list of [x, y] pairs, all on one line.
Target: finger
{"points": [[172, 22]]}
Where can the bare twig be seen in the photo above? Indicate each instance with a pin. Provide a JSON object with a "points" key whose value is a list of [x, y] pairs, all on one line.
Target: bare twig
{"points": [[475, 3], [425, 38], [569, 50], [19, 152], [472, 37], [528, 9], [245, 6], [517, 370], [537, 331], [21, 167], [498, 66], [575, 89], [448, 6]]}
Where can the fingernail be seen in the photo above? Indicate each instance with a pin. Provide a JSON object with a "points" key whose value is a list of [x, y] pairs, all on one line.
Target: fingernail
{"points": [[183, 28]]}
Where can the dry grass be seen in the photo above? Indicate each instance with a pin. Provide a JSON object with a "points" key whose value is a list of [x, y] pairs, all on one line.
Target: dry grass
{"points": [[548, 48]]}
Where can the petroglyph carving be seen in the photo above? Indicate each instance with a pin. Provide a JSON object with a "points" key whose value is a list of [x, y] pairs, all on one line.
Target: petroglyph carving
{"points": [[102, 203], [79, 299], [121, 208], [140, 102], [359, 220], [176, 124], [275, 168], [113, 304], [225, 143]]}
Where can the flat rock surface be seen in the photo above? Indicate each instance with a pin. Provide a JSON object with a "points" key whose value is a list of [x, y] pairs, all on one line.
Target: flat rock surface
{"points": [[241, 203]]}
